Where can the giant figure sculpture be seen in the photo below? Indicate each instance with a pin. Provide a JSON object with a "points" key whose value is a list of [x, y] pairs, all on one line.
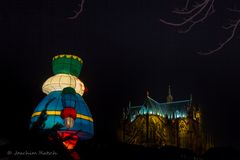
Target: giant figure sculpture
{"points": [[63, 109]]}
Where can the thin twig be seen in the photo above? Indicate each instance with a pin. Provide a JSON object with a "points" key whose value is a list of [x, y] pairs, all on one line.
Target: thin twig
{"points": [[190, 11], [77, 13], [234, 10]]}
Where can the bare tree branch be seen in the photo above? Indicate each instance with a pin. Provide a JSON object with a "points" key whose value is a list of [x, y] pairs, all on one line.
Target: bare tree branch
{"points": [[209, 11], [186, 5], [185, 11], [234, 26], [194, 14], [203, 10], [234, 10], [77, 13]]}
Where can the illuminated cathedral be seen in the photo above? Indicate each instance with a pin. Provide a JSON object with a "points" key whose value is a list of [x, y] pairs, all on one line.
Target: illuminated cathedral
{"points": [[172, 123]]}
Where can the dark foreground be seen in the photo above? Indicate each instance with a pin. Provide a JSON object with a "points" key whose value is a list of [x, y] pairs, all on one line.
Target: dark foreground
{"points": [[39, 147]]}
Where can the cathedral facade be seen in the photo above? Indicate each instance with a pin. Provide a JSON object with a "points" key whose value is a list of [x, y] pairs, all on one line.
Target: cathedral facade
{"points": [[172, 123]]}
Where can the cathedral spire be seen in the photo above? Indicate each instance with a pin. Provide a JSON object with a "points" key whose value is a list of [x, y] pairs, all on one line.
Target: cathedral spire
{"points": [[190, 98], [169, 97], [147, 93]]}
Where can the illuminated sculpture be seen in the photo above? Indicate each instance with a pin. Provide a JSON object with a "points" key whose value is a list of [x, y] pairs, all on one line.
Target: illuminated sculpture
{"points": [[64, 109]]}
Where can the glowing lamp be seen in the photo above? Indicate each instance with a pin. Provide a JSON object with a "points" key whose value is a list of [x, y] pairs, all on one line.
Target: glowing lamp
{"points": [[60, 81], [69, 115], [69, 122]]}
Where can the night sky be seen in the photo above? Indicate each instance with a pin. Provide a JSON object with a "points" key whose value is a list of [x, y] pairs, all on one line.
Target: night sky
{"points": [[126, 51]]}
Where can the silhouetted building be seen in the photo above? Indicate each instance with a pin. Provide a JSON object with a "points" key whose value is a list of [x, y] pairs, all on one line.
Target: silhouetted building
{"points": [[172, 123]]}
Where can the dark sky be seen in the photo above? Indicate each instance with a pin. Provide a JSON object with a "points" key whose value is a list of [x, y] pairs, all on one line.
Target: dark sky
{"points": [[126, 51]]}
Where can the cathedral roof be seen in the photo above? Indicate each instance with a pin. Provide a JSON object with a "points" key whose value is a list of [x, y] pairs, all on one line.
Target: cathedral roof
{"points": [[174, 109]]}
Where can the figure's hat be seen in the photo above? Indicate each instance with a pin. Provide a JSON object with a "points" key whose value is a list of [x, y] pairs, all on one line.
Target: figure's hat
{"points": [[66, 69], [68, 64]]}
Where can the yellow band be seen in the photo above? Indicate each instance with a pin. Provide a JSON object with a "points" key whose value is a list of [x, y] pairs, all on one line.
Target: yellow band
{"points": [[68, 56], [58, 113]]}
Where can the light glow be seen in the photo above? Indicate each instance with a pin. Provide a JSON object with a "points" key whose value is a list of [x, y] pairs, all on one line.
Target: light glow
{"points": [[69, 122], [60, 81], [70, 142]]}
